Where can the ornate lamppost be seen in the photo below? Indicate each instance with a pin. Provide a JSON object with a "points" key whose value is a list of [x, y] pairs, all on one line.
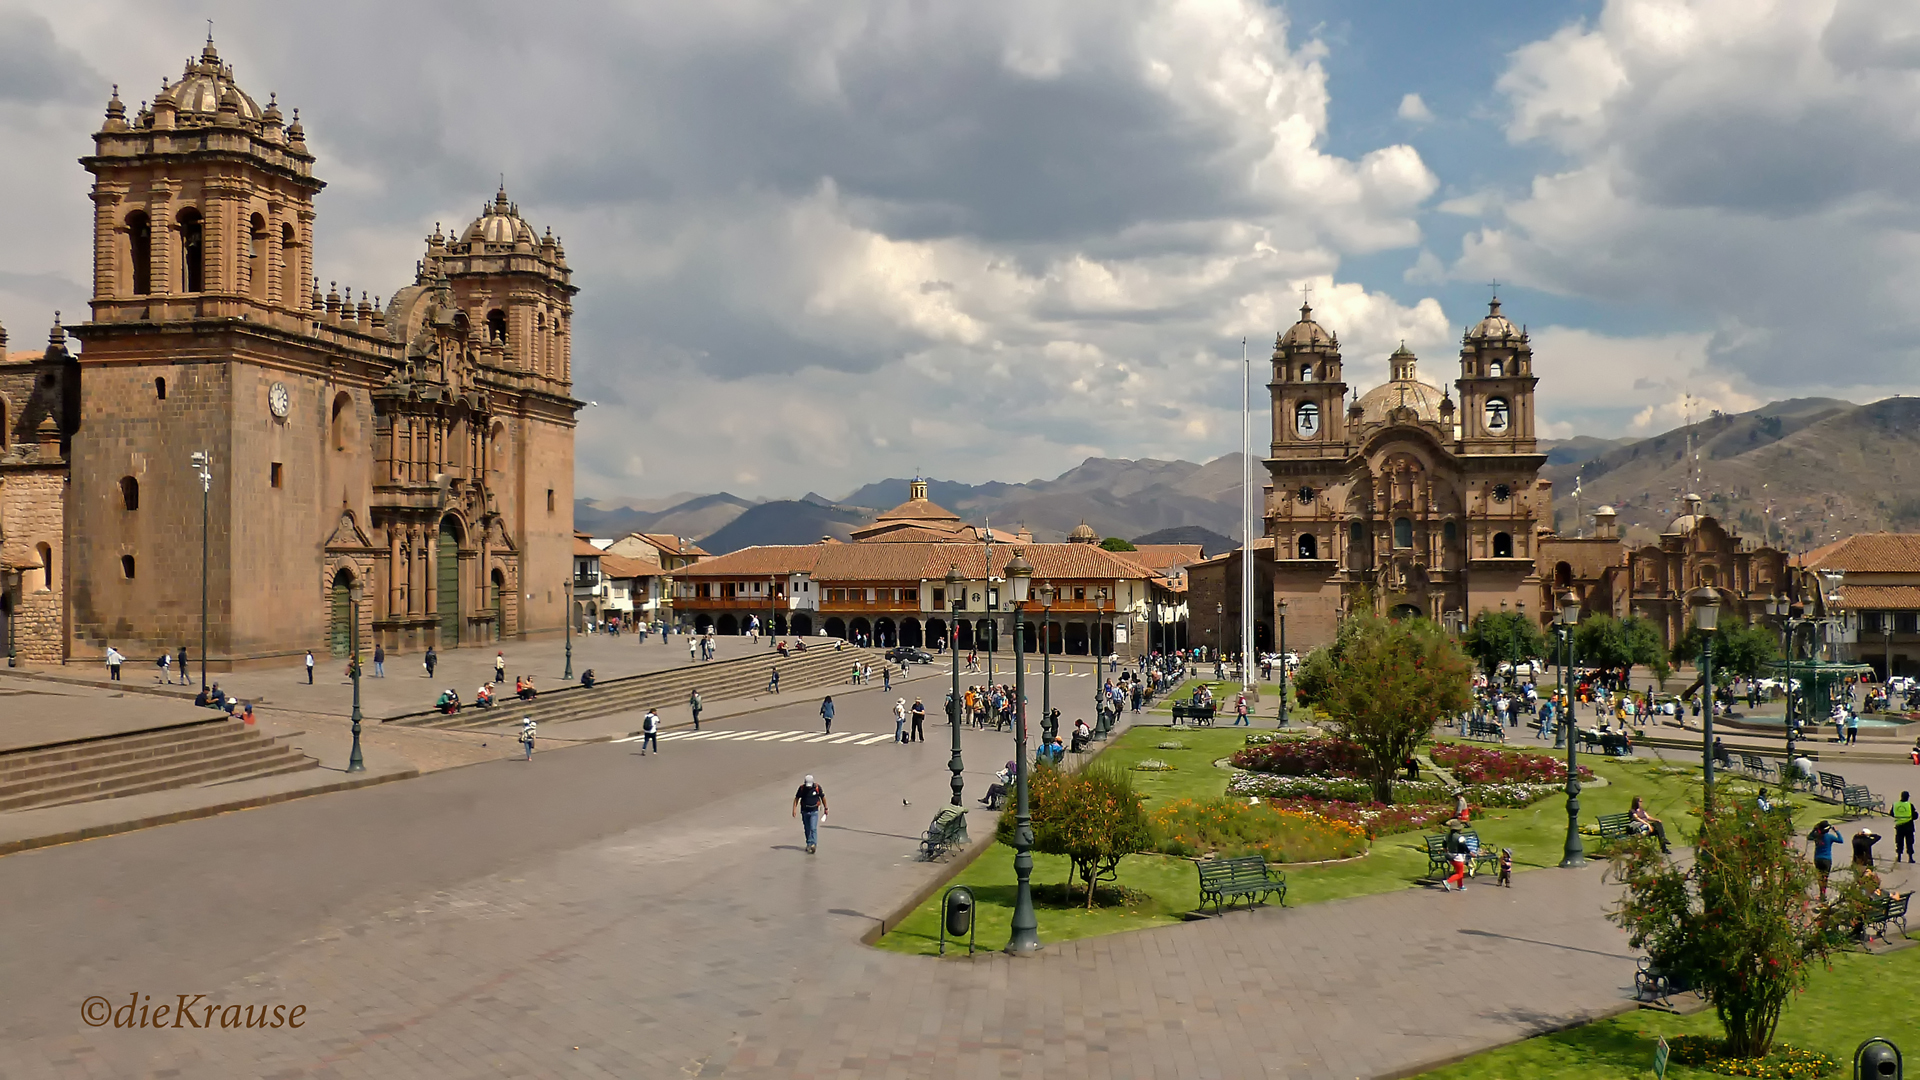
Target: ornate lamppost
{"points": [[1575, 853], [355, 762], [1046, 656], [568, 596], [203, 465], [956, 599], [1706, 617], [1101, 726], [1025, 939], [1282, 620]]}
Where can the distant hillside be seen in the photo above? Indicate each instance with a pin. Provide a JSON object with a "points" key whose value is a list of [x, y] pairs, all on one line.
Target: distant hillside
{"points": [[1211, 543], [695, 515], [1819, 467], [784, 522]]}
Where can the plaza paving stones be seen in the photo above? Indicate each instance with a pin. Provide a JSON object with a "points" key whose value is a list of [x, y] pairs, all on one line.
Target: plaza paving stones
{"points": [[596, 913]]}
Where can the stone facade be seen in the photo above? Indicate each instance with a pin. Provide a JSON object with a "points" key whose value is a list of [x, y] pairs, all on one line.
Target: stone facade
{"points": [[37, 399], [1400, 501], [423, 449], [1697, 554]]}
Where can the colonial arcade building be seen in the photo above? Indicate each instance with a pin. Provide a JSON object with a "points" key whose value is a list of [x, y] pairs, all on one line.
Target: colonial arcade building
{"points": [[421, 449]]}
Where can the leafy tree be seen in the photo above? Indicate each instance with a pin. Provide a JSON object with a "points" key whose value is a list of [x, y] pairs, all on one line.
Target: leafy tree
{"points": [[1497, 637], [1740, 650], [1093, 818], [1390, 682], [1620, 644], [1736, 923], [1114, 543], [1315, 676]]}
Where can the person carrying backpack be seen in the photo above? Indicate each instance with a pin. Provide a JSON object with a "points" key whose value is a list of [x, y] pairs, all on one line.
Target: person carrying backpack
{"points": [[826, 713], [527, 727], [650, 733], [694, 703]]}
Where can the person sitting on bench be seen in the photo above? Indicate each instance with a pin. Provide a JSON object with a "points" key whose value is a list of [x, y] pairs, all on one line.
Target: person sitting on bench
{"points": [[1647, 825], [997, 791], [1082, 735]]}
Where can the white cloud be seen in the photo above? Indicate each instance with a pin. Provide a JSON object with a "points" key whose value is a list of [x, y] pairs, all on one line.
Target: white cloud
{"points": [[813, 239], [1414, 110]]}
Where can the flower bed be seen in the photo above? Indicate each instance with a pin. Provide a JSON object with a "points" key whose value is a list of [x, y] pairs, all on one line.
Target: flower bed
{"points": [[1419, 792], [1480, 765], [1784, 1063], [1151, 765], [1193, 827], [1303, 757], [1375, 819]]}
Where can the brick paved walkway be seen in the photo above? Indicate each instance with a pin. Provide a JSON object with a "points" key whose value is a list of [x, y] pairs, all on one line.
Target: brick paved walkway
{"points": [[597, 913]]}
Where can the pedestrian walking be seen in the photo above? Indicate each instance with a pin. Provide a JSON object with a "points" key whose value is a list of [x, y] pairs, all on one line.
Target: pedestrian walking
{"points": [[773, 681], [309, 667], [900, 721], [696, 704], [1456, 848], [810, 805], [693, 649], [826, 713], [1240, 712], [919, 718], [185, 668], [499, 667], [114, 660], [165, 664], [527, 727], [432, 661], [1853, 728], [886, 678], [650, 733], [1903, 815], [379, 662]]}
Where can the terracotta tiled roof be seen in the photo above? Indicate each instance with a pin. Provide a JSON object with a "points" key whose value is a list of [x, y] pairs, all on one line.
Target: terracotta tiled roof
{"points": [[1884, 553], [1161, 556], [757, 561], [1880, 597], [908, 534], [583, 548], [622, 567], [671, 544]]}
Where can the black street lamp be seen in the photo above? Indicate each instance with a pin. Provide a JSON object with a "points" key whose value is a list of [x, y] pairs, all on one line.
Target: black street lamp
{"points": [[568, 596], [1025, 939], [203, 462], [1219, 635], [1706, 616], [355, 762], [1046, 655], [1282, 620], [1101, 726], [1575, 853], [956, 598], [9, 593]]}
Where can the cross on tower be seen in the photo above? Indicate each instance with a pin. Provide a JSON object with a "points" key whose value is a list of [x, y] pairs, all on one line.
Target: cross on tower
{"points": [[1495, 286]]}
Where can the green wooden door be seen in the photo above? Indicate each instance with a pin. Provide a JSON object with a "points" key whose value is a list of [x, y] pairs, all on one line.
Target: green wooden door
{"points": [[447, 585], [339, 616], [499, 609]]}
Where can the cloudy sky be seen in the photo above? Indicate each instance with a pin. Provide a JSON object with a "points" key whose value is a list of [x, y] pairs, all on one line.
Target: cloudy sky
{"points": [[822, 242]]}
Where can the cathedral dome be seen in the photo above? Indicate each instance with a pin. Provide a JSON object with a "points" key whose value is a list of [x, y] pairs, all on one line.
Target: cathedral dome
{"points": [[1306, 332], [206, 83], [500, 223], [1404, 388], [1495, 326], [1083, 534]]}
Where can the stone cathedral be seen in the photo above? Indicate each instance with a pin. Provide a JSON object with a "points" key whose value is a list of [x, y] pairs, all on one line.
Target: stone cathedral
{"points": [[422, 449], [1403, 499]]}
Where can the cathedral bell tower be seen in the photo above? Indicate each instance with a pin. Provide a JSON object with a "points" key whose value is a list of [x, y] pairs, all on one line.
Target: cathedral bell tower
{"points": [[1308, 392], [1496, 387]]}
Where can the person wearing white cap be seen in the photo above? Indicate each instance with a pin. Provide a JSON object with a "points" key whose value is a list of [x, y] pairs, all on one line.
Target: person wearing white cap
{"points": [[900, 721], [526, 735], [810, 805]]}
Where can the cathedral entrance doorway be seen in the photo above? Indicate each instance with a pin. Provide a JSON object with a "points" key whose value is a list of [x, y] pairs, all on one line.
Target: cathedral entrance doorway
{"points": [[339, 614], [446, 582], [497, 601], [1403, 612]]}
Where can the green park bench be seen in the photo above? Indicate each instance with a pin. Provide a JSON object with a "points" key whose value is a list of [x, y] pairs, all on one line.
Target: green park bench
{"points": [[1856, 799], [1885, 911], [1221, 880], [1440, 861], [1615, 827], [948, 831], [1833, 787]]}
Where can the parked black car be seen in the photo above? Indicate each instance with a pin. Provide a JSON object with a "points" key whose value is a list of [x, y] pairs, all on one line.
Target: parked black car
{"points": [[907, 654]]}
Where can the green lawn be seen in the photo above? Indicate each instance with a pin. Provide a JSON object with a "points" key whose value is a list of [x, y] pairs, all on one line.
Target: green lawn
{"points": [[1861, 997], [1537, 835], [1223, 695]]}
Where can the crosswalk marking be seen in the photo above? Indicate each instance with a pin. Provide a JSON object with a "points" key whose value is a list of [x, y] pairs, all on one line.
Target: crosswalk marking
{"points": [[871, 739], [842, 738]]}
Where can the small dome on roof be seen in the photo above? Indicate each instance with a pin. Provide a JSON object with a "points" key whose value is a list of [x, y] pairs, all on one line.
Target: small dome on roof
{"points": [[1083, 534], [1306, 332], [205, 83], [500, 223], [1495, 325]]}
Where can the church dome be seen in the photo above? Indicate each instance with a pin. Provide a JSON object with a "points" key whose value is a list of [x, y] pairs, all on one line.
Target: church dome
{"points": [[1306, 332], [1495, 326], [1083, 534], [206, 83], [500, 224], [1403, 388], [1690, 520]]}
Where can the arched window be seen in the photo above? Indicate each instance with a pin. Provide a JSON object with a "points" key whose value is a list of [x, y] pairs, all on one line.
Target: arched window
{"points": [[1306, 372], [1562, 575], [496, 325], [1306, 420], [461, 323], [160, 388], [1402, 532], [1450, 533], [126, 567], [256, 257], [1309, 546], [289, 288], [193, 271], [45, 551], [1495, 369], [1357, 542], [140, 251], [1502, 546], [342, 420], [129, 493]]}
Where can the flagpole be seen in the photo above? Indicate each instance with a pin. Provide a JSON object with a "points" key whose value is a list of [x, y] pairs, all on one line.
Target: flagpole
{"points": [[1246, 521]]}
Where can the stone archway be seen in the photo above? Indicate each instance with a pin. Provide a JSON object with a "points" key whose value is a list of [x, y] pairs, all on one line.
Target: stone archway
{"points": [[1076, 638], [835, 628], [800, 624], [702, 624], [883, 632], [340, 613], [446, 580], [910, 632], [860, 630], [728, 626]]}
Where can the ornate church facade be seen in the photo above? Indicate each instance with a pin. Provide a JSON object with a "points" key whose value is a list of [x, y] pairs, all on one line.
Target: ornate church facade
{"points": [[1402, 500], [421, 450]]}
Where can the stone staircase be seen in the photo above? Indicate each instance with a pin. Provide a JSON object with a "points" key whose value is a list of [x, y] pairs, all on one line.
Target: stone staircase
{"points": [[717, 681], [215, 751]]}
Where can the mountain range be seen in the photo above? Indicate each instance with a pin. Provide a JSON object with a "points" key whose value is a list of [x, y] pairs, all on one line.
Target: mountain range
{"points": [[1798, 473]]}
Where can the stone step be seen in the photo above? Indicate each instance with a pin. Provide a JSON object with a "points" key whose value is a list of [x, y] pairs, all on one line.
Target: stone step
{"points": [[175, 764], [247, 768], [117, 752]]}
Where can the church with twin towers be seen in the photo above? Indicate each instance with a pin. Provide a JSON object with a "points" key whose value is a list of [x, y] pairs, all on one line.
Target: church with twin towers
{"points": [[414, 451]]}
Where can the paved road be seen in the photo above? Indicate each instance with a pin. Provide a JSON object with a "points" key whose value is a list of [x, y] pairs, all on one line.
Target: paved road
{"points": [[596, 913]]}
